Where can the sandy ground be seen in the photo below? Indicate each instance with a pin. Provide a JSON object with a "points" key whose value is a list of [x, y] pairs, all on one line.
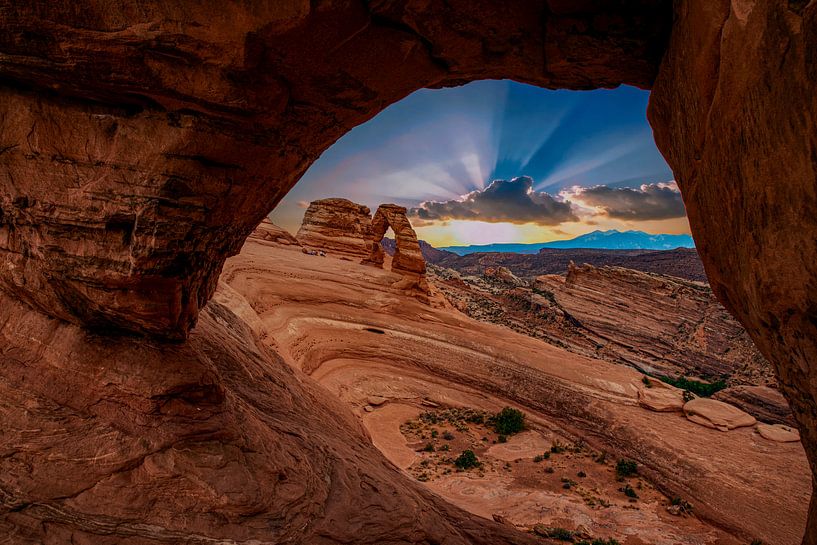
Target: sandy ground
{"points": [[344, 325]]}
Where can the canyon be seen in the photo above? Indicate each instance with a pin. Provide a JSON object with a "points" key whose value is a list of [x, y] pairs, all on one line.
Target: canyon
{"points": [[142, 143]]}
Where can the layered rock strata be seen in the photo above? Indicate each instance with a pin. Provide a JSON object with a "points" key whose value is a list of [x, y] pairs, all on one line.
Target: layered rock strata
{"points": [[337, 226]]}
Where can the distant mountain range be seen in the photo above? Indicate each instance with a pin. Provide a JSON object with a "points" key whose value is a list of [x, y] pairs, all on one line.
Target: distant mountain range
{"points": [[603, 240]]}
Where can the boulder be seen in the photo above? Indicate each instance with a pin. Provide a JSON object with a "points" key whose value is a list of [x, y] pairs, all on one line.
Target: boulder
{"points": [[661, 397], [778, 433], [717, 414]]}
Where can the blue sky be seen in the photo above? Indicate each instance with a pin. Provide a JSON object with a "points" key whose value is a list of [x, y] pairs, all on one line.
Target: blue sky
{"points": [[569, 162]]}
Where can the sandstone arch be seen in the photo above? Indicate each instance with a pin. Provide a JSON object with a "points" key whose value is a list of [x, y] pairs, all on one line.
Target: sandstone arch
{"points": [[142, 142], [408, 259]]}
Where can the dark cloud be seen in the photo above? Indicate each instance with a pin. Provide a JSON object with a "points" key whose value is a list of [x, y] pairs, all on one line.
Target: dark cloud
{"points": [[511, 201], [649, 202]]}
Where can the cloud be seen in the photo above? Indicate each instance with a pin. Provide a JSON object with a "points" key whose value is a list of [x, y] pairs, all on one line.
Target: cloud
{"points": [[649, 202], [512, 201]]}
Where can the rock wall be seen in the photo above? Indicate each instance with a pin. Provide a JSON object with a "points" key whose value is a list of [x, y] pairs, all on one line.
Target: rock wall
{"points": [[337, 226], [733, 111]]}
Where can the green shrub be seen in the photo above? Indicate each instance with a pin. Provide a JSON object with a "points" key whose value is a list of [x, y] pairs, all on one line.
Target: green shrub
{"points": [[502, 438], [509, 421], [548, 469], [448, 436], [629, 492], [429, 448], [553, 533], [466, 460], [581, 474], [702, 389], [626, 468]]}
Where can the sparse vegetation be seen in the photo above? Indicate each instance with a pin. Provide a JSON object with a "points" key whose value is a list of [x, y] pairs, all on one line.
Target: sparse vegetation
{"points": [[509, 421], [429, 447], [448, 436], [548, 469], [599, 541], [685, 506], [646, 380], [629, 492], [581, 474], [697, 387], [561, 534], [502, 438], [467, 460], [757, 542], [541, 457], [557, 448], [626, 468]]}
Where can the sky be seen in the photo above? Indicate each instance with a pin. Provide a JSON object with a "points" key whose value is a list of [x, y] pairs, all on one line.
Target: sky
{"points": [[500, 161]]}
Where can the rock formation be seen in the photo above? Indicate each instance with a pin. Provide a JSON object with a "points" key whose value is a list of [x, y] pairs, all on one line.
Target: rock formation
{"points": [[336, 226], [764, 403], [270, 232], [407, 258], [658, 324], [142, 141], [717, 414]]}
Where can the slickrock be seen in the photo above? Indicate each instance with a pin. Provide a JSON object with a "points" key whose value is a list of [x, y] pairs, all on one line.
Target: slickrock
{"points": [[717, 414], [269, 232], [341, 323], [337, 226], [778, 433], [764, 403], [658, 324]]}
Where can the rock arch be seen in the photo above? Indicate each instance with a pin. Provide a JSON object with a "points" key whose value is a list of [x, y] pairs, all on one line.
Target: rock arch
{"points": [[142, 141], [408, 259]]}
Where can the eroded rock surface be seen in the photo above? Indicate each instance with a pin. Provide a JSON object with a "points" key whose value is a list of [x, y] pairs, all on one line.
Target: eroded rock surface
{"points": [[717, 414], [337, 226], [270, 232], [727, 115], [118, 440], [657, 324], [764, 403]]}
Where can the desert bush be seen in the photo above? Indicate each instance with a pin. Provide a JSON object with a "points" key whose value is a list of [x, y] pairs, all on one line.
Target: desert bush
{"points": [[626, 468], [466, 460], [509, 421]]}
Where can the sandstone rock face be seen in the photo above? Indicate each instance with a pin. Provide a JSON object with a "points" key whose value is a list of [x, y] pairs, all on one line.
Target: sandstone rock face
{"points": [[337, 226], [717, 414], [117, 440], [269, 232], [733, 112], [764, 403], [658, 324]]}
